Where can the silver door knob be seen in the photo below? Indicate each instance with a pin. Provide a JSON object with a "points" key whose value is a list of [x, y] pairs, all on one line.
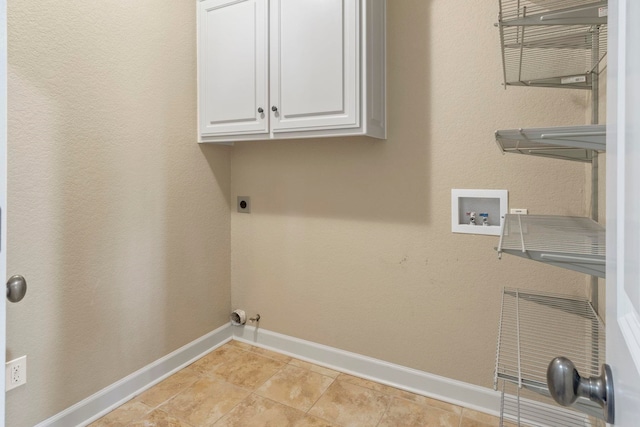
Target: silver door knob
{"points": [[274, 108], [260, 110], [16, 288], [566, 385]]}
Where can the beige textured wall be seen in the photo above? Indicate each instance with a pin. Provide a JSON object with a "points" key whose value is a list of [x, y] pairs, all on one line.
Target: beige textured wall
{"points": [[121, 223], [117, 218], [349, 242]]}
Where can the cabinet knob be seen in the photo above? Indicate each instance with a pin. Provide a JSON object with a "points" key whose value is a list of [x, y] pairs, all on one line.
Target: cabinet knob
{"points": [[260, 110], [274, 109]]}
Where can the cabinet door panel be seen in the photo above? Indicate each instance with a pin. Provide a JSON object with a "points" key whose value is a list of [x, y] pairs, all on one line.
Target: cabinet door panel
{"points": [[232, 69], [315, 81]]}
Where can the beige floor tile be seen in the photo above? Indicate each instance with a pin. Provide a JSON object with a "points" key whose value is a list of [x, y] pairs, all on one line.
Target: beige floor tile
{"points": [[311, 421], [481, 419], [403, 413], [239, 344], [246, 369], [468, 422], [315, 368], [271, 354], [123, 415], [167, 388], [159, 418], [217, 358], [392, 391], [351, 405], [205, 402], [256, 411], [367, 384], [295, 387], [217, 390], [426, 401]]}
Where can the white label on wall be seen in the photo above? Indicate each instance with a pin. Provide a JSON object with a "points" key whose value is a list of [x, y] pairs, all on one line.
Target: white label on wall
{"points": [[603, 11], [573, 79]]}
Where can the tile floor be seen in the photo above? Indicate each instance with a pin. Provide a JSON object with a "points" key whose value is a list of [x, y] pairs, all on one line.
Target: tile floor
{"points": [[244, 386]]}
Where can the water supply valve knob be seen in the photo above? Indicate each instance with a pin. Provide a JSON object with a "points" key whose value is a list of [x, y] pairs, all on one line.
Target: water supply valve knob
{"points": [[472, 218]]}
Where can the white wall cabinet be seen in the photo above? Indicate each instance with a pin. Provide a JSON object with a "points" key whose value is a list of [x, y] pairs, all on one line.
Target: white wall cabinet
{"points": [[273, 69]]}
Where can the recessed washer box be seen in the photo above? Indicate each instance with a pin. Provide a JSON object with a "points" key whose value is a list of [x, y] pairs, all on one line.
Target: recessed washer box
{"points": [[489, 207]]}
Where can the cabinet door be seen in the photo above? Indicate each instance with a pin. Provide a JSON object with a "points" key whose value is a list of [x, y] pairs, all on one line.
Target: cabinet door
{"points": [[232, 67], [315, 64]]}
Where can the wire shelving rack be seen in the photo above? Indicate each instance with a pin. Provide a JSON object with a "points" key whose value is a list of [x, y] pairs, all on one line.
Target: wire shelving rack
{"points": [[554, 44]]}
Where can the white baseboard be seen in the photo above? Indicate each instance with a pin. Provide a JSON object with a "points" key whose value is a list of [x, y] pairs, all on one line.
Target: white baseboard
{"points": [[109, 398], [445, 389], [456, 392]]}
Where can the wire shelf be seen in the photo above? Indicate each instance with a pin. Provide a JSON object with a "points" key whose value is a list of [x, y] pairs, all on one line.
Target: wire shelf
{"points": [[566, 143], [525, 409], [537, 327], [556, 43], [575, 243], [553, 12]]}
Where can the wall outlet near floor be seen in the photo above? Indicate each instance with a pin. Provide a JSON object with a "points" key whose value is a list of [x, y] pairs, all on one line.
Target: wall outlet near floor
{"points": [[16, 373], [519, 211]]}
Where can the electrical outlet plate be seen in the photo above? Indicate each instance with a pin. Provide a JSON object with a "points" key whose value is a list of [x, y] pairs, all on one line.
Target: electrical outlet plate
{"points": [[244, 204], [16, 373], [519, 211]]}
